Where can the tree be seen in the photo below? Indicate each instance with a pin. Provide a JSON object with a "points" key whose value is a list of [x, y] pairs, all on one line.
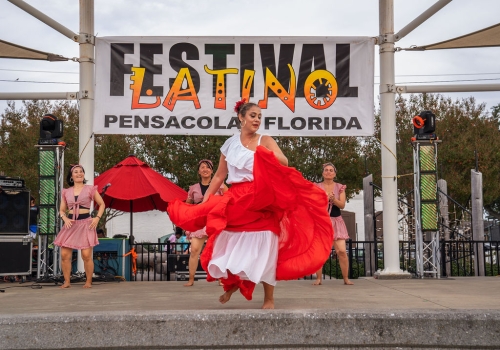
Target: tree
{"points": [[19, 133], [20, 130], [308, 154], [463, 126], [177, 156]]}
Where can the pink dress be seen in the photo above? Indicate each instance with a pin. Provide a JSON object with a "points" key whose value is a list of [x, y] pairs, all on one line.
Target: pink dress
{"points": [[195, 195], [79, 235], [339, 227]]}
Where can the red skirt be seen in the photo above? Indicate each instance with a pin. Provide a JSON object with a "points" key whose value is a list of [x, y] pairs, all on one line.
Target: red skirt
{"points": [[279, 200]]}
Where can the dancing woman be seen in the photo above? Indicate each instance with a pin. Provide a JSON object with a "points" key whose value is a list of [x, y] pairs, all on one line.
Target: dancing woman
{"points": [[79, 230], [270, 225], [195, 196], [336, 202]]}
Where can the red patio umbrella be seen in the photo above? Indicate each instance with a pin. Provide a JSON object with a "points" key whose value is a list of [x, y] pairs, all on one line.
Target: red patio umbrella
{"points": [[135, 187]]}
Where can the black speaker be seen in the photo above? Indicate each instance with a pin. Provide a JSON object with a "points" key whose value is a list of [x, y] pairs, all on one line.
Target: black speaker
{"points": [[14, 212], [15, 255]]}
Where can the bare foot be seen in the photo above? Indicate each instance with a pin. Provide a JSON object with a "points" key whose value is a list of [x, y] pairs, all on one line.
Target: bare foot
{"points": [[224, 298], [87, 285], [268, 304], [317, 283], [348, 283], [220, 283], [189, 284], [65, 285]]}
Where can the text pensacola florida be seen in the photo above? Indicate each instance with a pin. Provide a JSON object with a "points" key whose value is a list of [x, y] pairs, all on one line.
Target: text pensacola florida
{"points": [[205, 122]]}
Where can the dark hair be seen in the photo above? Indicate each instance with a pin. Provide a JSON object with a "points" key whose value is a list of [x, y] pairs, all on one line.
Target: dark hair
{"points": [[32, 199], [208, 162], [69, 179], [244, 109], [100, 231], [179, 231]]}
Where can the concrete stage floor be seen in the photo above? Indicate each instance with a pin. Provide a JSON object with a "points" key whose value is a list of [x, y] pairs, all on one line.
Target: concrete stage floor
{"points": [[462, 313]]}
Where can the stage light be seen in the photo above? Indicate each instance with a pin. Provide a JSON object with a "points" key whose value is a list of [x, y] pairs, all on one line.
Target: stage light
{"points": [[424, 125], [51, 129]]}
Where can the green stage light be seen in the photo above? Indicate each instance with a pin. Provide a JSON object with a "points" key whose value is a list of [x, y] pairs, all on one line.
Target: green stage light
{"points": [[429, 217], [48, 191], [47, 163], [47, 220], [427, 158], [428, 187]]}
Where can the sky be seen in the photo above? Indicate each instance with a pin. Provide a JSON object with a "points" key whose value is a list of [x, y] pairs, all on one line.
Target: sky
{"points": [[256, 18]]}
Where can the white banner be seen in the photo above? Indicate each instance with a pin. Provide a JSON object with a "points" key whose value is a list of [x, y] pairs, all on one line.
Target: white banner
{"points": [[306, 86]]}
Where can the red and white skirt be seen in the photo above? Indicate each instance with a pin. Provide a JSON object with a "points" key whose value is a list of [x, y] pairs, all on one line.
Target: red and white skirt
{"points": [[273, 228]]}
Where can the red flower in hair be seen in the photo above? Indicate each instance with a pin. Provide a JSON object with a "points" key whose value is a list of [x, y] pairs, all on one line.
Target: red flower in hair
{"points": [[238, 105]]}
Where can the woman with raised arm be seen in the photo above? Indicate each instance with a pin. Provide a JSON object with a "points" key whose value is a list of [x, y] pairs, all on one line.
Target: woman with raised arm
{"points": [[270, 225], [79, 230], [336, 202], [195, 196]]}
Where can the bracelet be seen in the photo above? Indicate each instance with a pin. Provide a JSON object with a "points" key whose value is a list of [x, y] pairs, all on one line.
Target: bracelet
{"points": [[97, 216]]}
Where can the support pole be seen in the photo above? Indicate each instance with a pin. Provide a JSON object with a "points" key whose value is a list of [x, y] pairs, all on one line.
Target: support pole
{"points": [[421, 18], [38, 95], [477, 221], [388, 137], [86, 94], [369, 211], [445, 219], [415, 89], [46, 19]]}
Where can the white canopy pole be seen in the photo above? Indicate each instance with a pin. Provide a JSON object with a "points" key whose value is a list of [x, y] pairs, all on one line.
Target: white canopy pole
{"points": [[38, 95], [45, 19], [86, 93], [446, 88], [424, 16], [388, 147]]}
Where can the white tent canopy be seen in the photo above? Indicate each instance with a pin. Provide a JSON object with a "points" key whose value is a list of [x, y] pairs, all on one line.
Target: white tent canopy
{"points": [[10, 50], [487, 37]]}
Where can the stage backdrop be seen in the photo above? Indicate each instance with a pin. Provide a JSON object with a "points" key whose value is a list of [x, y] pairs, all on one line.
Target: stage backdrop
{"points": [[306, 86]]}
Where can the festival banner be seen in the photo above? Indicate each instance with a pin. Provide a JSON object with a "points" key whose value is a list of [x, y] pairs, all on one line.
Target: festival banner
{"points": [[305, 86]]}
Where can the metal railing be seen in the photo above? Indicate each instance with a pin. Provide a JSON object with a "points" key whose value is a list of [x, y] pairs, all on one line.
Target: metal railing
{"points": [[365, 258]]}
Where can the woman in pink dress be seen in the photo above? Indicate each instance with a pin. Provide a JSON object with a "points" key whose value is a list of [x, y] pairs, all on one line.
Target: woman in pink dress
{"points": [[195, 196], [79, 230], [336, 202]]}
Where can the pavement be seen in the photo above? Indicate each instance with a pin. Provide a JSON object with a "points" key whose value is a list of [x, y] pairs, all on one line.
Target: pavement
{"points": [[461, 313]]}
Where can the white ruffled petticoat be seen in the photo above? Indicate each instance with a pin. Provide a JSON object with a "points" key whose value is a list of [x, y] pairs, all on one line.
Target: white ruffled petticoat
{"points": [[250, 255]]}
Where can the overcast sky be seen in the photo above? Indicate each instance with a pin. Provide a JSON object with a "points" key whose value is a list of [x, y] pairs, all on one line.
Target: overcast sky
{"points": [[255, 18]]}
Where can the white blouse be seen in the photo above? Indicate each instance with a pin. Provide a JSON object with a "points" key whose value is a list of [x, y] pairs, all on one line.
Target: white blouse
{"points": [[239, 160]]}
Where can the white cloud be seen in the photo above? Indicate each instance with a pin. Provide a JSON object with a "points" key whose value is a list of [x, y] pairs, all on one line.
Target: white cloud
{"points": [[254, 18]]}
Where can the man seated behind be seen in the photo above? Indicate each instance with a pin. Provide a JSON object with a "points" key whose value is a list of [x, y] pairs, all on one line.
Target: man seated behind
{"points": [[176, 241]]}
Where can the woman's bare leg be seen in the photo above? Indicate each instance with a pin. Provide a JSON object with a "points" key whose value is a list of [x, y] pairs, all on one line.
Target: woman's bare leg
{"points": [[88, 264], [66, 256], [319, 277], [268, 296], [196, 245], [224, 298], [340, 249]]}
